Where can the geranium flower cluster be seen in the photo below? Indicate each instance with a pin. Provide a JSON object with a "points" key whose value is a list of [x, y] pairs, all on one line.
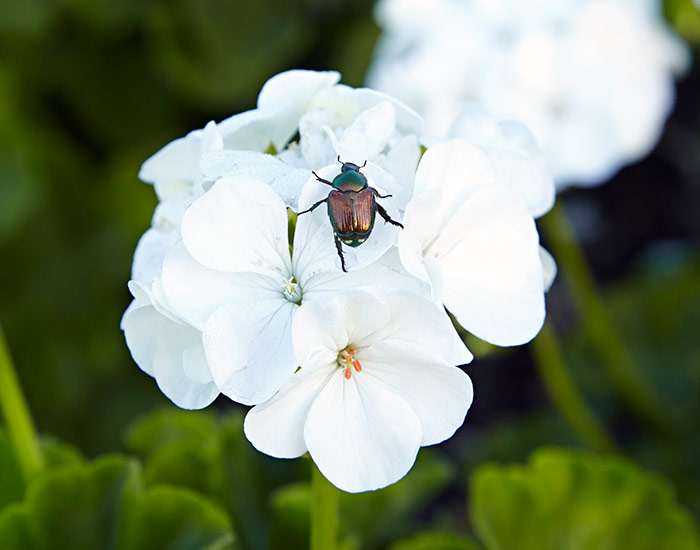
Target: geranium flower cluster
{"points": [[237, 293], [592, 79]]}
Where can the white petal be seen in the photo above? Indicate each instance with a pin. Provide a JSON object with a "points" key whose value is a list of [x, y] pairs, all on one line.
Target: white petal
{"points": [[249, 348], [141, 325], [458, 168], [489, 255], [290, 92], [415, 321], [361, 436], [240, 224], [150, 251], [174, 344], [174, 163], [439, 393], [314, 248], [422, 224], [368, 134], [407, 120], [276, 427], [385, 273], [194, 292], [194, 364], [285, 180], [549, 268], [512, 149], [330, 326]]}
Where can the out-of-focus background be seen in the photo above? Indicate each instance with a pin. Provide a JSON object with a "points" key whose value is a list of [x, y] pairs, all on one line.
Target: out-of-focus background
{"points": [[89, 90]]}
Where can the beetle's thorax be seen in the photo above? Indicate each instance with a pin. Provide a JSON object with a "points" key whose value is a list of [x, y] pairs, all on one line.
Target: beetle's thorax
{"points": [[350, 181]]}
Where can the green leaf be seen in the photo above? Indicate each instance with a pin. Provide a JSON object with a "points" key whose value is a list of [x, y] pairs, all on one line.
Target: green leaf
{"points": [[436, 541], [71, 507], [568, 500], [153, 431], [176, 519], [102, 505], [11, 482], [212, 456], [290, 517]]}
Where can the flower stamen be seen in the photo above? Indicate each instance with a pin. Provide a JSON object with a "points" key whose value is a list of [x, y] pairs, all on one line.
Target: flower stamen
{"points": [[347, 362], [291, 289]]}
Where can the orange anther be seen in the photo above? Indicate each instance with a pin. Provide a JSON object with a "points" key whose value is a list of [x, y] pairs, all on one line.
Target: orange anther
{"points": [[357, 365], [352, 351], [348, 373]]}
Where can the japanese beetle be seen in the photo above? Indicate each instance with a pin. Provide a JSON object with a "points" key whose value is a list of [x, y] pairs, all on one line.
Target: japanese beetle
{"points": [[352, 206]]}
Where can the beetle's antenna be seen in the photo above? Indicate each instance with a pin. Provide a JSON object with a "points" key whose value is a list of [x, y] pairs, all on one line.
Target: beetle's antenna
{"points": [[365, 164], [340, 161]]}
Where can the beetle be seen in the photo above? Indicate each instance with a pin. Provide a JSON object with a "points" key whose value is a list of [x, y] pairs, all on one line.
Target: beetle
{"points": [[352, 207]]}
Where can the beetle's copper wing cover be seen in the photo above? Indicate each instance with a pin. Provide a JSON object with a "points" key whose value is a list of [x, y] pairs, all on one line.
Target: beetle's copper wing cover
{"points": [[364, 211], [340, 208]]}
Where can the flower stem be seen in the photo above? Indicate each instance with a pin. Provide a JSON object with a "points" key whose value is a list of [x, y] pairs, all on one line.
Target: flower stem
{"points": [[324, 512], [597, 321], [18, 421], [563, 392]]}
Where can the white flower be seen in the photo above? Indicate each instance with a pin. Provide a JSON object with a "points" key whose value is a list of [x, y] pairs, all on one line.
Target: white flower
{"points": [[168, 348], [175, 168], [162, 342], [475, 242], [304, 121], [235, 277], [375, 384], [592, 79]]}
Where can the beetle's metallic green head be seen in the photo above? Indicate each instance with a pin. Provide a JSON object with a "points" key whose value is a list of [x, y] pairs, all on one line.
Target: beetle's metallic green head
{"points": [[350, 167]]}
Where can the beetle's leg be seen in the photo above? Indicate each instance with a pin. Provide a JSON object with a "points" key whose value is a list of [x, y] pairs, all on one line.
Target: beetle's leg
{"points": [[383, 213], [321, 179], [319, 203], [339, 248], [376, 194]]}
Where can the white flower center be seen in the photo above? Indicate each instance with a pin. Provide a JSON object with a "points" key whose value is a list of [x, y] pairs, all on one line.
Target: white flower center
{"points": [[291, 289], [347, 362]]}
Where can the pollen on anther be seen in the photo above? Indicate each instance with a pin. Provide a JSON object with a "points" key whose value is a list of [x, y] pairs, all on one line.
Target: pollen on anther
{"points": [[357, 365], [348, 373]]}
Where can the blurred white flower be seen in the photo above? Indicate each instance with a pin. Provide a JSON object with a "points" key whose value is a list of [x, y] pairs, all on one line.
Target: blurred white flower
{"points": [[475, 242], [236, 278], [375, 384], [593, 79]]}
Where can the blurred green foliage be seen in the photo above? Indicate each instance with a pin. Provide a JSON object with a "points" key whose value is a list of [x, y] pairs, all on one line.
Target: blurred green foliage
{"points": [[567, 500], [103, 505]]}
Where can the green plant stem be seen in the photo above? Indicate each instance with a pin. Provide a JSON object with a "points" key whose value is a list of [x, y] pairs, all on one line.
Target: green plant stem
{"points": [[324, 512], [563, 392], [18, 421], [597, 321]]}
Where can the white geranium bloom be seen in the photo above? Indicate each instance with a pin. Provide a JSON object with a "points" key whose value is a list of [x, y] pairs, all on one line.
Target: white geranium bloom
{"points": [[162, 342], [592, 79], [235, 277], [475, 242], [376, 383]]}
